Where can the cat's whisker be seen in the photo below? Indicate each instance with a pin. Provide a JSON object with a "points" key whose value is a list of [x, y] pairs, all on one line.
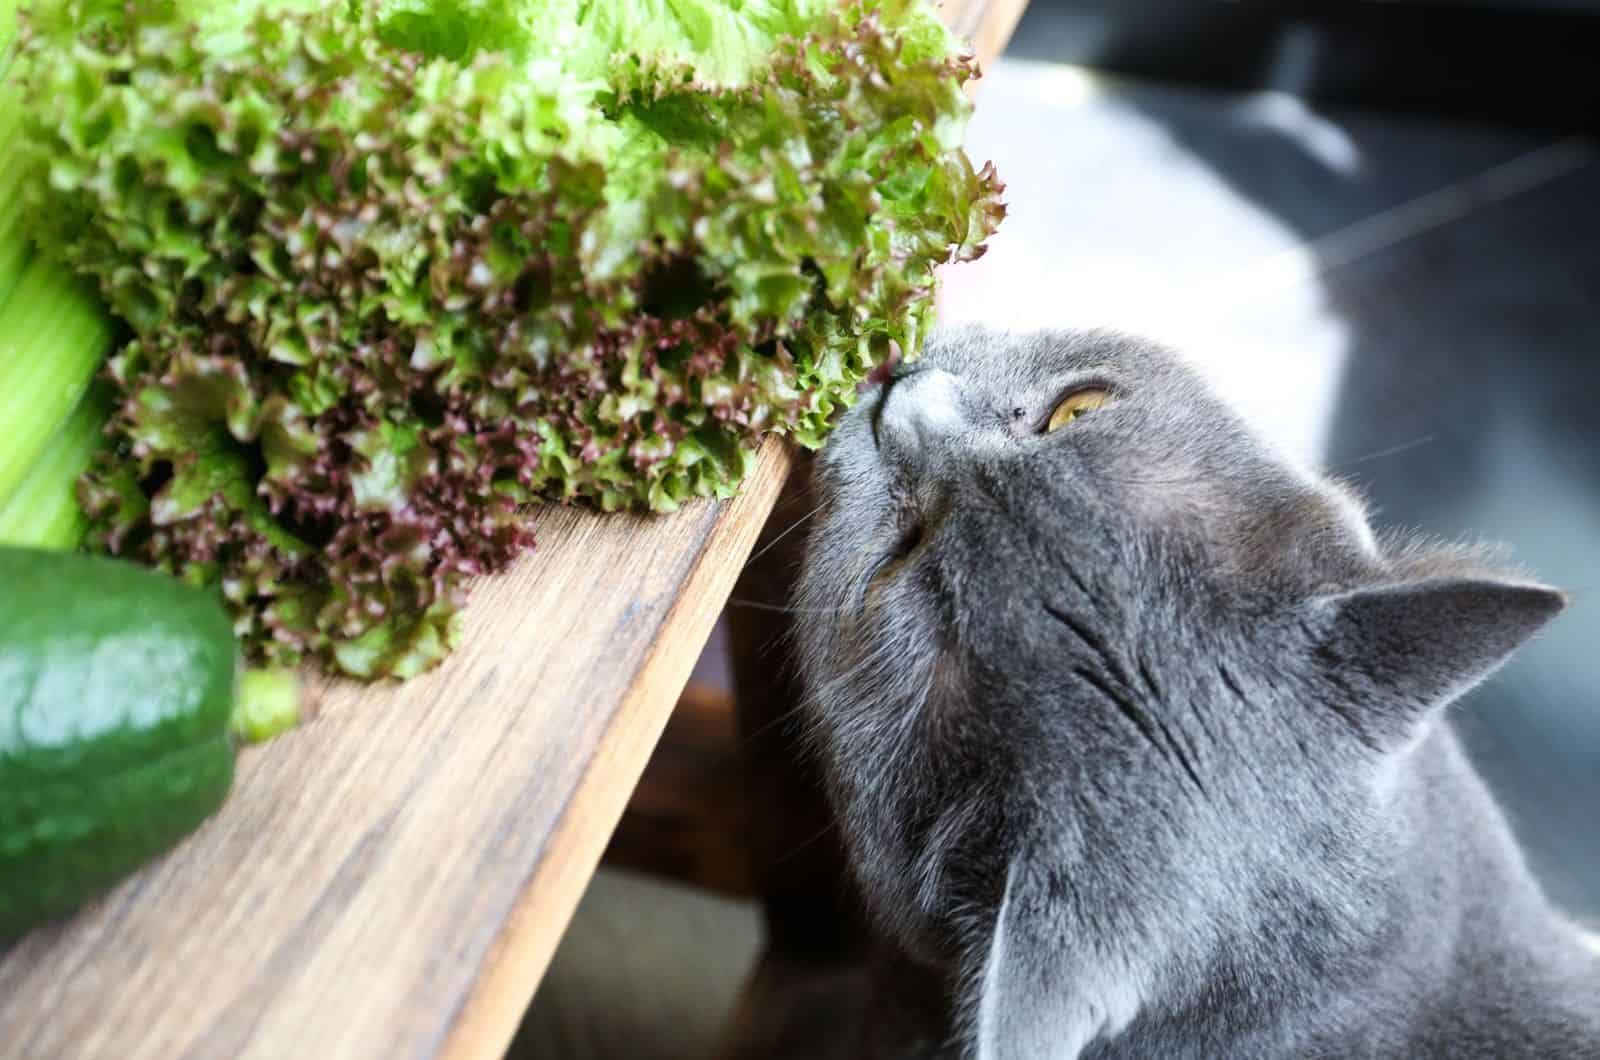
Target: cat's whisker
{"points": [[1393, 450], [791, 528], [1131, 480], [783, 638], [783, 609], [778, 640], [797, 848], [799, 708], [772, 723], [836, 687]]}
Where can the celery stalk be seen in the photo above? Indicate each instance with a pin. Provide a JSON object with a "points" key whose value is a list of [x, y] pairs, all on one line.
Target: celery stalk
{"points": [[15, 252], [8, 30], [53, 335], [15, 246], [16, 249], [44, 512], [9, 10]]}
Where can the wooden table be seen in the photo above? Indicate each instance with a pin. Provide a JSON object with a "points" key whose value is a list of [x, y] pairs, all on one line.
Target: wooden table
{"points": [[391, 879]]}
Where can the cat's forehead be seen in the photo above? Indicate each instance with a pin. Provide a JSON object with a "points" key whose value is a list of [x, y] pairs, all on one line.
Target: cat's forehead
{"points": [[1173, 462], [1006, 362]]}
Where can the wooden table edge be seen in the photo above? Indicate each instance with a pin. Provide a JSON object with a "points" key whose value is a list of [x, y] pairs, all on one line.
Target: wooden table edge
{"points": [[510, 974]]}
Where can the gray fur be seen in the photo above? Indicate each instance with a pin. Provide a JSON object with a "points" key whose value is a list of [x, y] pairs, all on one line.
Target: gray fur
{"points": [[1136, 732]]}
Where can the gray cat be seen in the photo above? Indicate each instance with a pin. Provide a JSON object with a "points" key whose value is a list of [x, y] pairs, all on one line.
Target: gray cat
{"points": [[1136, 732]]}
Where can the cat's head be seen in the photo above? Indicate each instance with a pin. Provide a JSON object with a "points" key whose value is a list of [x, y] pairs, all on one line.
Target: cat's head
{"points": [[1058, 593]]}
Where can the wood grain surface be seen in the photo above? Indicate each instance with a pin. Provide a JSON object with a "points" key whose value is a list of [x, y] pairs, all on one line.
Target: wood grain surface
{"points": [[391, 879]]}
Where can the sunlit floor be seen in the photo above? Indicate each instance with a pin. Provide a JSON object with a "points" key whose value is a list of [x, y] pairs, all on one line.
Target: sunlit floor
{"points": [[1413, 303]]}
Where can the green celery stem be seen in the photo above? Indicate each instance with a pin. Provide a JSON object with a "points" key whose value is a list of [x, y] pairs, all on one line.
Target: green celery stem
{"points": [[44, 511], [53, 337]]}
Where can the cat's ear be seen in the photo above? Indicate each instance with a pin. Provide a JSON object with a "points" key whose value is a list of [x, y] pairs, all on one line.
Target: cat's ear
{"points": [[1402, 650]]}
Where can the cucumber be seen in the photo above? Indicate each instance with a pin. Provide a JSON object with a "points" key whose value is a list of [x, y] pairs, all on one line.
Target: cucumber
{"points": [[116, 685]]}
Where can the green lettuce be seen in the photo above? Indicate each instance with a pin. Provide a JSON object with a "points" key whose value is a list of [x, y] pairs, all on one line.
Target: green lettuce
{"points": [[395, 272]]}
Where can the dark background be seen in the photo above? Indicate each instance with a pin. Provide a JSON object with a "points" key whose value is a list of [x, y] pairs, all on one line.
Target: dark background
{"points": [[1530, 63]]}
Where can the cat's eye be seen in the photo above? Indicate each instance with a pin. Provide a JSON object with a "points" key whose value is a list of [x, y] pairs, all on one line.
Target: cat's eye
{"points": [[908, 542], [909, 539], [1076, 404]]}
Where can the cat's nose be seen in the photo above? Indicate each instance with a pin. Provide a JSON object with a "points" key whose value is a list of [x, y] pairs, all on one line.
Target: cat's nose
{"points": [[919, 409]]}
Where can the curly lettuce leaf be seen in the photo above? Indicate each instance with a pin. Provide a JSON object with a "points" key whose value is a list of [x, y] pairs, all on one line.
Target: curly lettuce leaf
{"points": [[396, 272]]}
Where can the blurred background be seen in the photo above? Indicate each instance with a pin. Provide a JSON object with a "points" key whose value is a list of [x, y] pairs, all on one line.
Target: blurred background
{"points": [[1377, 226]]}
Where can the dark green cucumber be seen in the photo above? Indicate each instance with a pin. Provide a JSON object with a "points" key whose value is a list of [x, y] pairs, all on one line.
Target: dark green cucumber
{"points": [[116, 685]]}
